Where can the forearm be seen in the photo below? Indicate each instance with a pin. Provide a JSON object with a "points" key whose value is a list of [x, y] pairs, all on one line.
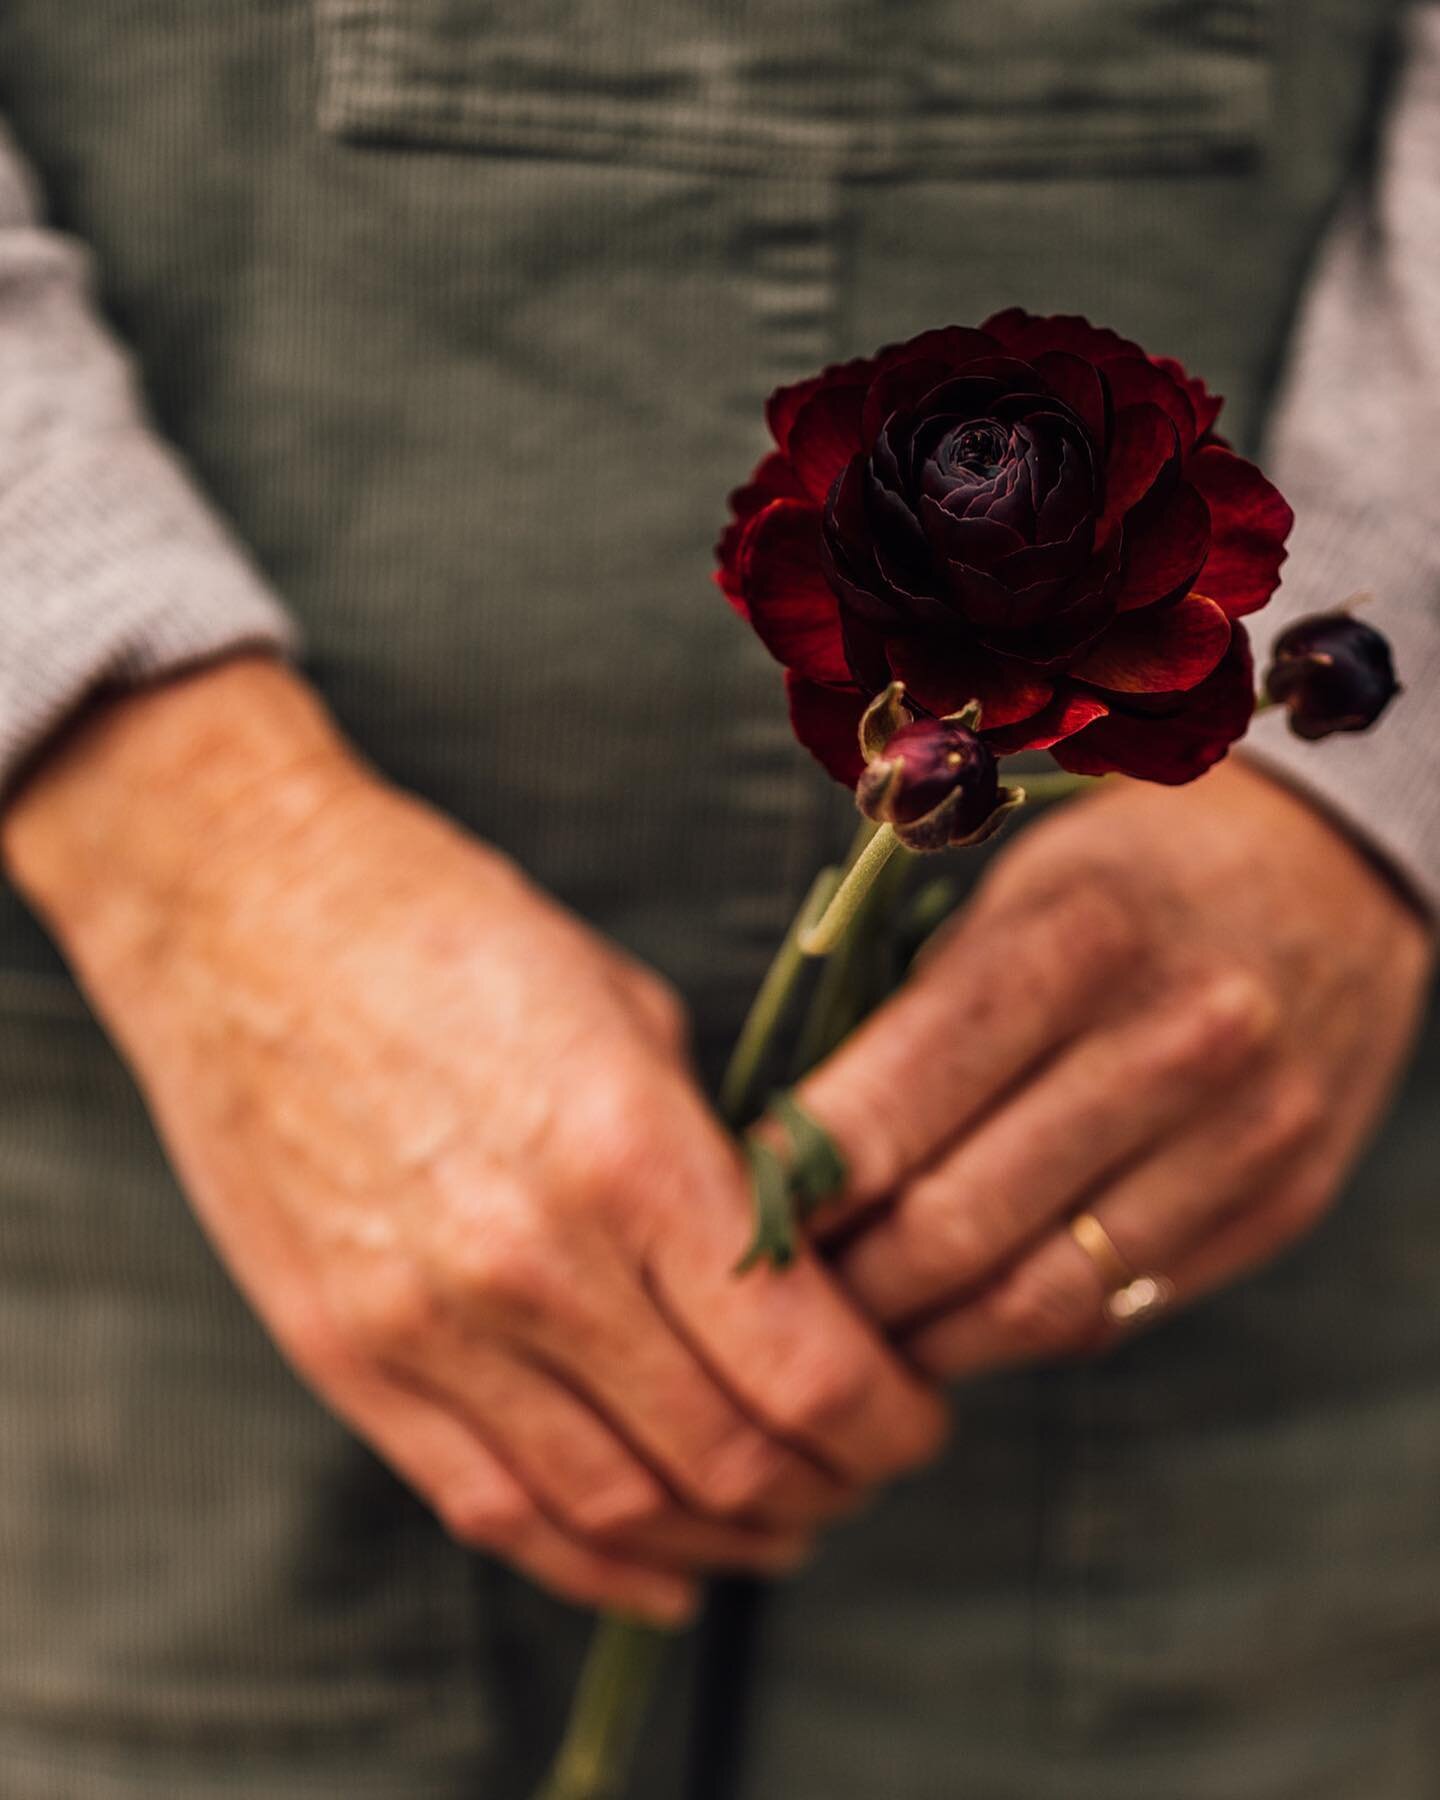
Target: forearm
{"points": [[113, 568]]}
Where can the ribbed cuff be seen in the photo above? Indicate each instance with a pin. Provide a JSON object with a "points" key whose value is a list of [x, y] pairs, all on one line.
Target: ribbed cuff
{"points": [[1383, 784], [114, 570]]}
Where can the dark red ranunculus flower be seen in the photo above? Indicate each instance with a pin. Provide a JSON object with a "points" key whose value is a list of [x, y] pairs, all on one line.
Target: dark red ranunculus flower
{"points": [[1036, 515]]}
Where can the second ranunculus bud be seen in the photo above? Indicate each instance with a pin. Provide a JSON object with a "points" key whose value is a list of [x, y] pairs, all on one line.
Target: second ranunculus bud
{"points": [[935, 782]]}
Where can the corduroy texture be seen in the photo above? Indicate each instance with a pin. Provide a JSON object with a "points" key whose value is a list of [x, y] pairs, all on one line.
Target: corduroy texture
{"points": [[472, 401]]}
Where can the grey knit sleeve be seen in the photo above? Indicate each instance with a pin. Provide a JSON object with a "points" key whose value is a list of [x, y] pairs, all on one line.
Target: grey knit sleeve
{"points": [[1356, 450], [113, 568]]}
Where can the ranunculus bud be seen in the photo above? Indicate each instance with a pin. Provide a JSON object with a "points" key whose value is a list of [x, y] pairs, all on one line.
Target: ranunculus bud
{"points": [[1331, 672], [933, 781]]}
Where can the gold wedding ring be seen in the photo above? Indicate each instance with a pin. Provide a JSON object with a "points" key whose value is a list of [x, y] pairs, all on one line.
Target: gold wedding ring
{"points": [[1129, 1297]]}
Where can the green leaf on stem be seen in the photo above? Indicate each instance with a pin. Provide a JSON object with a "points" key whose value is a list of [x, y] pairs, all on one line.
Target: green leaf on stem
{"points": [[815, 1166], [774, 1205]]}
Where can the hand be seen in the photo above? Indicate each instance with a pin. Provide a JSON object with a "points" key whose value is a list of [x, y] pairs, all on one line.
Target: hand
{"points": [[1182, 1010], [445, 1141]]}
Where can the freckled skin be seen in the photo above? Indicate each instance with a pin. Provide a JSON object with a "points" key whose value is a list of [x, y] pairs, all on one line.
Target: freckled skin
{"points": [[448, 1144], [1184, 1011]]}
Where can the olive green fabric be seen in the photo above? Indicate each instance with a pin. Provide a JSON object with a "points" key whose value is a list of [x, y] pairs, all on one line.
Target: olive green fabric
{"points": [[464, 311]]}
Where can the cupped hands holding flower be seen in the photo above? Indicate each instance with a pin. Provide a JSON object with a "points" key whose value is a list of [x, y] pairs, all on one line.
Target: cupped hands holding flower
{"points": [[1181, 1012], [446, 1138], [447, 1143]]}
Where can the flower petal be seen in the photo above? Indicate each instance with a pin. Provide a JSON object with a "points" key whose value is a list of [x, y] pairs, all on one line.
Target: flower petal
{"points": [[905, 373], [1165, 548], [1177, 744], [827, 723], [788, 600], [1030, 335], [877, 587], [1162, 649], [1249, 522], [976, 542], [1144, 446], [1077, 382], [953, 345], [773, 479], [1206, 405], [1049, 563], [783, 406], [942, 674], [824, 437], [1069, 711], [1136, 381]]}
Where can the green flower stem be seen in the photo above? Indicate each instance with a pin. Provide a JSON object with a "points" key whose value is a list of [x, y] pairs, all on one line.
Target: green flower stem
{"points": [[746, 1065], [594, 1759], [593, 1762], [872, 851], [847, 975]]}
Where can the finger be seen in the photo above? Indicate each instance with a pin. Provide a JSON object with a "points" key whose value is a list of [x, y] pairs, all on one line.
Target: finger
{"points": [[791, 1350], [641, 1373], [1251, 1239], [581, 1472], [484, 1507], [990, 1003], [679, 1539], [1051, 1304], [575, 1304], [1098, 1106]]}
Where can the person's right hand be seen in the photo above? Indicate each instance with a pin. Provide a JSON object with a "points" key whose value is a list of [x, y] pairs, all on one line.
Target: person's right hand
{"points": [[444, 1139]]}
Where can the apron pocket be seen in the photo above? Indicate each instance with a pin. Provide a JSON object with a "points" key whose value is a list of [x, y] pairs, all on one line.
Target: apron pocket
{"points": [[940, 88]]}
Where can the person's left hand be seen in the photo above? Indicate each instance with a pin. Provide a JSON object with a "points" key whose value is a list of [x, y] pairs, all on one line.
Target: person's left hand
{"points": [[1183, 1011]]}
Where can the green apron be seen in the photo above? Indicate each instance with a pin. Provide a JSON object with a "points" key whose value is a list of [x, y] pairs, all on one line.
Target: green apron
{"points": [[464, 311]]}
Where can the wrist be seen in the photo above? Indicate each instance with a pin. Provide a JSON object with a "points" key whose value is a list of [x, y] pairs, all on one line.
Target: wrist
{"points": [[1257, 774], [141, 805]]}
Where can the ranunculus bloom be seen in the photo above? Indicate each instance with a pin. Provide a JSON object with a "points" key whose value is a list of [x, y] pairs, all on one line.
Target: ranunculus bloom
{"points": [[1332, 672], [1036, 515]]}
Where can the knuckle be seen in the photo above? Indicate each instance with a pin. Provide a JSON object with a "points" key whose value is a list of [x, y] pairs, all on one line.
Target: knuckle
{"points": [[1227, 1021], [821, 1393], [738, 1473], [1041, 1314], [313, 1343], [663, 1005], [507, 1266], [391, 1317], [486, 1520], [619, 1157], [952, 1234], [619, 1508]]}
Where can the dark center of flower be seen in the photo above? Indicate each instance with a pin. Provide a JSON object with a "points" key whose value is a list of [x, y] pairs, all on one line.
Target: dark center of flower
{"points": [[981, 448]]}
